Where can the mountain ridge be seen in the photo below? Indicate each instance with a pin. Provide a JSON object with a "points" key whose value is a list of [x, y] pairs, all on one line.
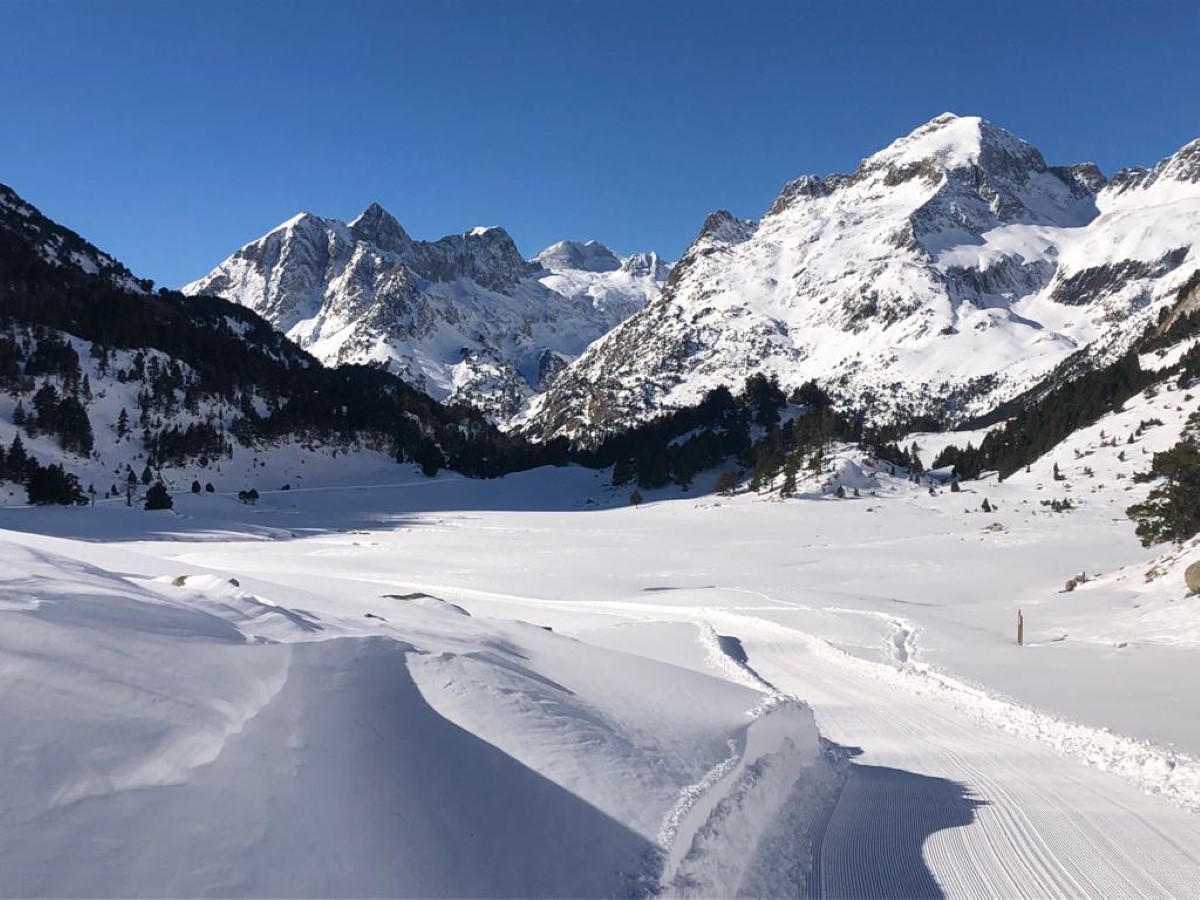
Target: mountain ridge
{"points": [[464, 318], [946, 275]]}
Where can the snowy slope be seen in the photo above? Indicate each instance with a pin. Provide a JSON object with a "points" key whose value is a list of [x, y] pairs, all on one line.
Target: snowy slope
{"points": [[464, 318], [333, 724], [60, 246], [179, 732], [951, 271]]}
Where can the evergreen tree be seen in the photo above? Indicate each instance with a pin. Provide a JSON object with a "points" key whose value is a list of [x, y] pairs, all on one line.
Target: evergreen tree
{"points": [[20, 417], [17, 461], [985, 506], [914, 459], [789, 477], [195, 487], [635, 497], [147, 475], [73, 427], [1171, 511], [53, 485], [158, 497], [122, 423], [623, 472]]}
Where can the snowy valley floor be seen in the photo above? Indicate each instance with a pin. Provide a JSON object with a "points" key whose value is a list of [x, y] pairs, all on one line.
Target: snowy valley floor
{"points": [[527, 688]]}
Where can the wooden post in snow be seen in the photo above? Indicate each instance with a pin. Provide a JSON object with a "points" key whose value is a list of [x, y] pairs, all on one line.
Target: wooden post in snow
{"points": [[1020, 629]]}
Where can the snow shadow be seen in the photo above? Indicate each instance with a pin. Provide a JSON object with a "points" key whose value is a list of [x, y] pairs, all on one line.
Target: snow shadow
{"points": [[872, 844], [305, 512], [347, 783]]}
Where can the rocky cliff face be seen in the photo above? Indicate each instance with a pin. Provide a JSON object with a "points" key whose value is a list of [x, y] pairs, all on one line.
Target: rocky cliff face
{"points": [[946, 274], [465, 318]]}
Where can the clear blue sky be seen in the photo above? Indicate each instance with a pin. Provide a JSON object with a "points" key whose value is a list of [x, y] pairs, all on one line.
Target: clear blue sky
{"points": [[172, 133]]}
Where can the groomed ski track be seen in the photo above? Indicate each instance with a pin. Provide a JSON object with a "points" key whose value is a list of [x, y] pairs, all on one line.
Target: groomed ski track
{"points": [[939, 800]]}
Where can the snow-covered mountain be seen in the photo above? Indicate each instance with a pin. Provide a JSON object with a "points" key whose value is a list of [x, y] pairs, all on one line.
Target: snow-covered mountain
{"points": [[464, 318], [100, 377], [950, 272], [60, 246]]}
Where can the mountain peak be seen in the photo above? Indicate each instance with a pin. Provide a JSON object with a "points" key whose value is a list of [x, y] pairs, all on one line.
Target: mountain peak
{"points": [[584, 256], [723, 227], [952, 142], [379, 227]]}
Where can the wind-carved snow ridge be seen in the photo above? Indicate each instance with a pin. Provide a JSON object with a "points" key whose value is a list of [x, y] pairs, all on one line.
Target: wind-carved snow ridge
{"points": [[740, 829], [725, 654]]}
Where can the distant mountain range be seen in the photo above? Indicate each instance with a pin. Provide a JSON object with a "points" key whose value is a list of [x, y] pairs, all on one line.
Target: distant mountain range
{"points": [[464, 318], [954, 275], [950, 272]]}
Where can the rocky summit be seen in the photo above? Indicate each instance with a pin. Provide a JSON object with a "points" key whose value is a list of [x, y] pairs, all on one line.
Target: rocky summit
{"points": [[465, 318], [950, 272]]}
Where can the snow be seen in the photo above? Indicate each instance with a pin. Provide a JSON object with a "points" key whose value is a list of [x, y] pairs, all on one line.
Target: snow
{"points": [[950, 273], [378, 683], [954, 141], [474, 327]]}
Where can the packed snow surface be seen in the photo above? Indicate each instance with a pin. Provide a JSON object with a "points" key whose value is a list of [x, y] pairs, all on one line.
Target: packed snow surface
{"points": [[392, 685]]}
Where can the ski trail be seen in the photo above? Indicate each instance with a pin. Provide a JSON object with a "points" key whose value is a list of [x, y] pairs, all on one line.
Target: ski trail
{"points": [[1158, 770], [934, 805]]}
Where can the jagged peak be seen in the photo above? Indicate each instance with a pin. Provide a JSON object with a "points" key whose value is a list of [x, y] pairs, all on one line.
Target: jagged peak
{"points": [[584, 256], [1181, 168], [649, 263], [299, 220], [376, 226], [724, 226], [810, 186], [1183, 165]]}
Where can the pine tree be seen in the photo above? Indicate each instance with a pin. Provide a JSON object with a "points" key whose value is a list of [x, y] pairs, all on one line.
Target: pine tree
{"points": [[195, 487], [17, 461], [122, 423], [914, 459], [635, 497], [624, 471], [53, 485], [1171, 511], [789, 477], [147, 475], [20, 417], [158, 497], [986, 507]]}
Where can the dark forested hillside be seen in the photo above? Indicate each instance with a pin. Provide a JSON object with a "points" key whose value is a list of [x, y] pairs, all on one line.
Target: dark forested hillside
{"points": [[217, 352]]}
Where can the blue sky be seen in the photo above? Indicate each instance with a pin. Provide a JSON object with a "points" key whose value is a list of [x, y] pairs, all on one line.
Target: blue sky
{"points": [[171, 133]]}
